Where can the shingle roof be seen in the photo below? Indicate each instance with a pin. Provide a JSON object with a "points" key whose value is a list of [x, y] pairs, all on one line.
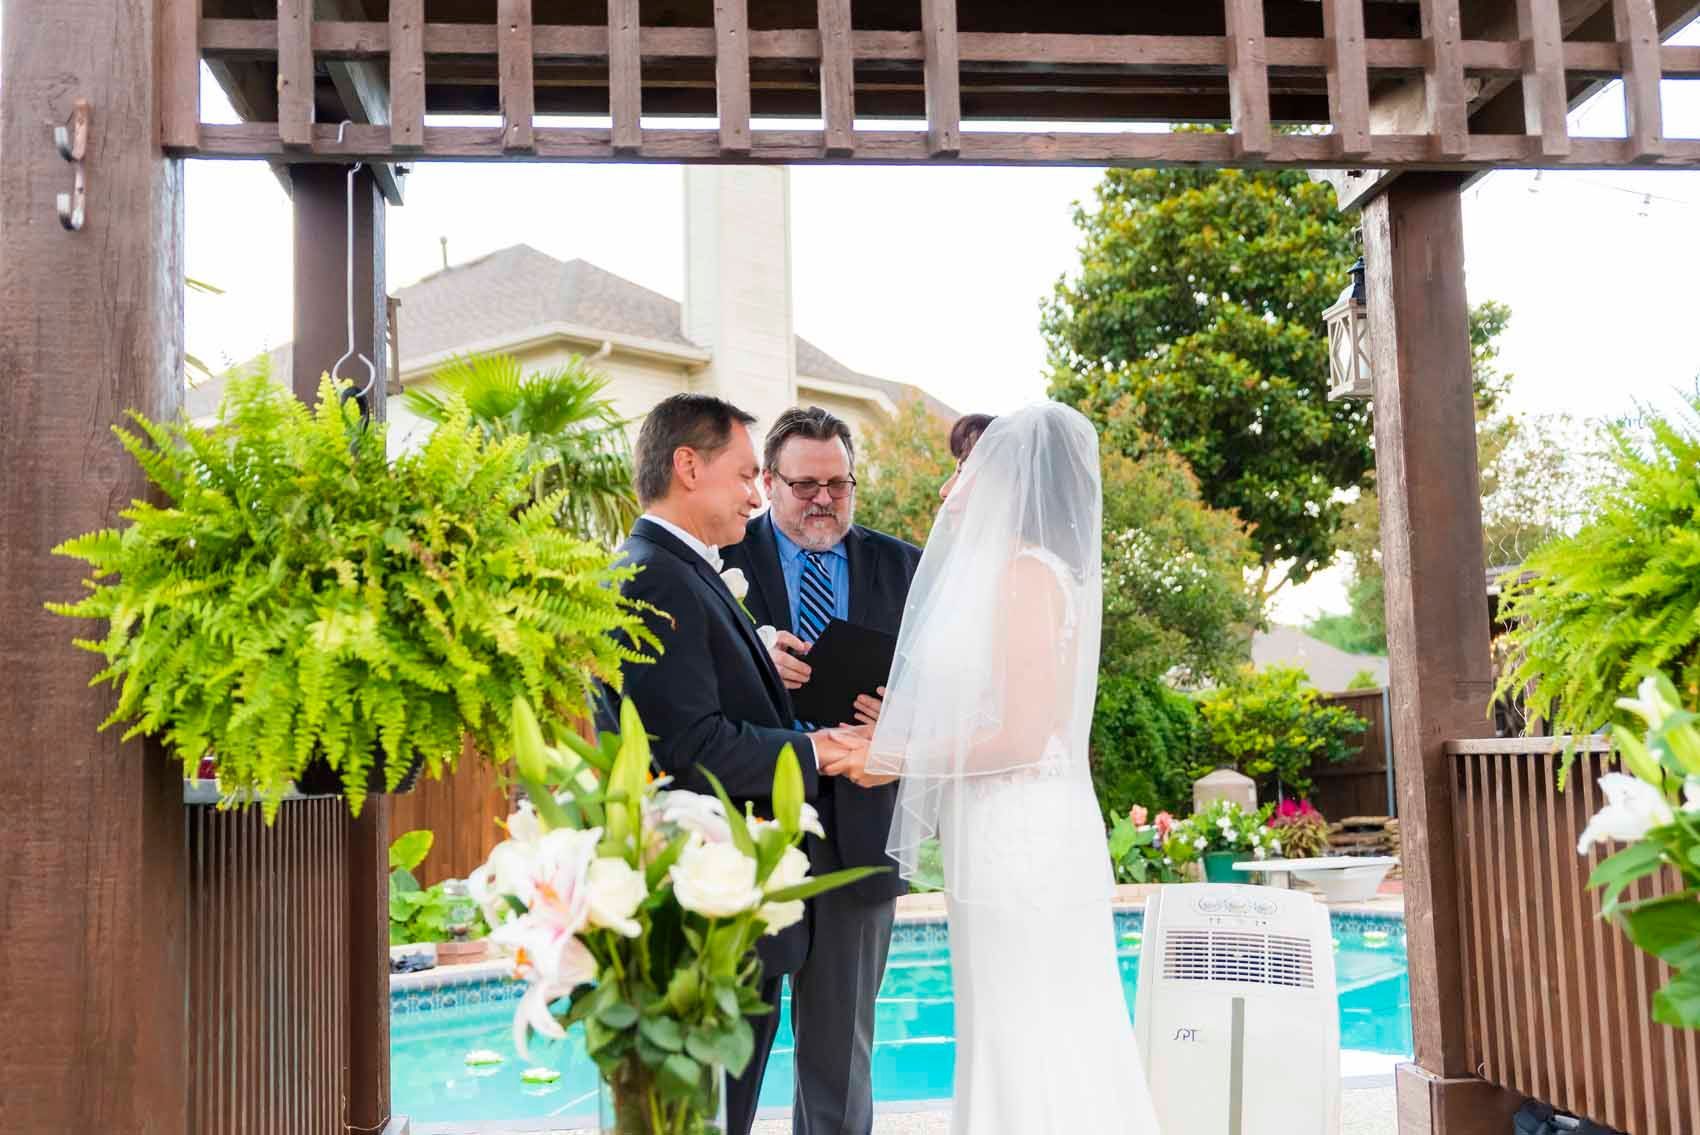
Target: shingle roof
{"points": [[519, 288]]}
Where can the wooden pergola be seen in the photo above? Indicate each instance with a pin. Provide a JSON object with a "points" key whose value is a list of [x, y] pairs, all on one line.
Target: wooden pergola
{"points": [[137, 969]]}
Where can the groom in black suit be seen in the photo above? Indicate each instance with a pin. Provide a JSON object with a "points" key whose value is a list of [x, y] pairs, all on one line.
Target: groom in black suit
{"points": [[713, 699], [807, 563]]}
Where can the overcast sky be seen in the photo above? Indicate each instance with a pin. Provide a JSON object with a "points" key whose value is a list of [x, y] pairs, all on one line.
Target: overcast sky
{"points": [[935, 276]]}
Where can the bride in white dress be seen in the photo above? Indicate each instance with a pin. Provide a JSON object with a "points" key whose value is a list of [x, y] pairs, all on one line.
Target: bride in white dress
{"points": [[986, 720]]}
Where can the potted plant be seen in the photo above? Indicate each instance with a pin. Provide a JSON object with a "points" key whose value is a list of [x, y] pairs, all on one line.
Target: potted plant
{"points": [[1137, 848], [1299, 830], [442, 914], [1220, 836], [298, 599], [640, 905]]}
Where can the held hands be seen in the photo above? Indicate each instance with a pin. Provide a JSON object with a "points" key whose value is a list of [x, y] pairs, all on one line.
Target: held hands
{"points": [[844, 752], [787, 653]]}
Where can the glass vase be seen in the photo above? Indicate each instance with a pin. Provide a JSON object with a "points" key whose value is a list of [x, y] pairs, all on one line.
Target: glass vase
{"points": [[627, 1104]]}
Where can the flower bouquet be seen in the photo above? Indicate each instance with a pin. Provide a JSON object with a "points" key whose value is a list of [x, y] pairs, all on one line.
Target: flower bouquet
{"points": [[1654, 807], [633, 910]]}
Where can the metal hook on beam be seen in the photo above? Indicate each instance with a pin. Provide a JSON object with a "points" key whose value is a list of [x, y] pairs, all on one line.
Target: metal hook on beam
{"points": [[371, 371], [72, 142]]}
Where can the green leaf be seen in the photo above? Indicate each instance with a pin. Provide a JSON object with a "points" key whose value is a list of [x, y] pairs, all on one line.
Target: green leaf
{"points": [[661, 864], [1669, 930], [726, 1000], [730, 1047], [788, 791], [681, 1077], [820, 884], [618, 1015], [683, 989], [734, 818], [1634, 862], [771, 847], [663, 1032], [1678, 1003], [410, 848]]}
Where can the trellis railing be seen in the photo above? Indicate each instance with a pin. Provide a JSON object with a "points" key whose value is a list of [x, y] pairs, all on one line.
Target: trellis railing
{"points": [[1440, 70], [1559, 999]]}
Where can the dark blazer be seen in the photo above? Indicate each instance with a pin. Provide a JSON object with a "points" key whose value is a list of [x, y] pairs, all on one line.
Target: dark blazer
{"points": [[857, 820], [712, 700]]}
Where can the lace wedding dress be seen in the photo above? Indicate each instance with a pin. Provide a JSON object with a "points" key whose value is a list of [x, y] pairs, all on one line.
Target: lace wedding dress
{"points": [[1044, 1043], [987, 717]]}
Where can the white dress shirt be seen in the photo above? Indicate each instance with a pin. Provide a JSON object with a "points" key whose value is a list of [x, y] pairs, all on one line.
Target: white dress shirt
{"points": [[707, 551]]}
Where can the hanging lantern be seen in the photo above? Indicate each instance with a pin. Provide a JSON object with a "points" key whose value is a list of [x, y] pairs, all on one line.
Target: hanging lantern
{"points": [[1349, 374]]}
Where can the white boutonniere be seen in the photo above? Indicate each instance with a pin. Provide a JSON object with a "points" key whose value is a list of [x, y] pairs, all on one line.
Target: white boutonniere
{"points": [[735, 582], [768, 635]]}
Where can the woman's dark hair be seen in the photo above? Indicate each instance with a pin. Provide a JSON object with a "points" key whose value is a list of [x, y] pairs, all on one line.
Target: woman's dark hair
{"points": [[966, 432], [691, 421]]}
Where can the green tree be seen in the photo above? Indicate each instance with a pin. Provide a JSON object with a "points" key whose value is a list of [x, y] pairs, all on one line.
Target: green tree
{"points": [[1199, 301], [576, 439], [903, 461]]}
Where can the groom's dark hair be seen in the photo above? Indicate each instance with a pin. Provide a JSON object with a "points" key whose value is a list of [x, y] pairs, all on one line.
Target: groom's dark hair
{"points": [[685, 421]]}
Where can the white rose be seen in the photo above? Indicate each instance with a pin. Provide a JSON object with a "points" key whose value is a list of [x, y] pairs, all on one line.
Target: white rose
{"points": [[768, 635], [1633, 808], [616, 891], [700, 815], [715, 880], [735, 582], [793, 868]]}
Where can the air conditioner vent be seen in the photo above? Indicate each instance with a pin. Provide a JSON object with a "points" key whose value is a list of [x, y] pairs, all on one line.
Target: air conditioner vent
{"points": [[1237, 956]]}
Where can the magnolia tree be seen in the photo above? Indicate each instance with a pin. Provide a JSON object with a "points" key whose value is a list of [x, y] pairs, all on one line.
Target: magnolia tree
{"points": [[1654, 807], [640, 906]]}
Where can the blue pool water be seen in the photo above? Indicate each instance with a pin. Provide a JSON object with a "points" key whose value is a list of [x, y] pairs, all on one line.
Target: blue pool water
{"points": [[432, 1030]]}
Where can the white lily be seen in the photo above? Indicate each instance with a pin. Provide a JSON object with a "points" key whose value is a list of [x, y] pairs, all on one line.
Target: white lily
{"points": [[1633, 808], [702, 816], [552, 963], [1649, 704]]}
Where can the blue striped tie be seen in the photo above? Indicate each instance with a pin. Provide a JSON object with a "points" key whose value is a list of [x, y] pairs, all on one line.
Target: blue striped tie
{"points": [[815, 605]]}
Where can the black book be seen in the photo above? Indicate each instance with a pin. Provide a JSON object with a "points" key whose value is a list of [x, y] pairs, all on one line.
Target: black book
{"points": [[847, 661]]}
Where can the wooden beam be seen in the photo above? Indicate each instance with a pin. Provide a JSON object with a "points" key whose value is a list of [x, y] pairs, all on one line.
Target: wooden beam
{"points": [[1248, 78], [732, 75], [625, 76], [1348, 75], [295, 71], [1296, 151], [1443, 78], [1431, 550], [837, 78], [319, 199], [362, 88], [406, 49], [513, 51], [92, 909], [943, 69], [180, 73], [1638, 39], [1546, 103]]}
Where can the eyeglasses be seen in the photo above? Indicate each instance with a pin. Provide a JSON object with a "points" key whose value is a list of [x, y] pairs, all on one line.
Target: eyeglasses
{"points": [[809, 489]]}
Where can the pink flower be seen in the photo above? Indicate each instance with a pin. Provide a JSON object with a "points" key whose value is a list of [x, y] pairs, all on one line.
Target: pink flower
{"points": [[1138, 815], [1165, 823]]}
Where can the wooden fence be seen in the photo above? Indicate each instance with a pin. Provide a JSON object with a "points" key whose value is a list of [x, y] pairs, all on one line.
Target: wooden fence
{"points": [[1362, 785], [461, 811], [1558, 999], [288, 982]]}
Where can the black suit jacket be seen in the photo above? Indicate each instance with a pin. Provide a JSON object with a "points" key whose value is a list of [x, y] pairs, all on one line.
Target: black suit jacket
{"points": [[857, 820], [712, 700]]}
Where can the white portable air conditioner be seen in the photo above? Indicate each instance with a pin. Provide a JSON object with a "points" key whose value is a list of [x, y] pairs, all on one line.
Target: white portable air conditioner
{"points": [[1237, 1018]]}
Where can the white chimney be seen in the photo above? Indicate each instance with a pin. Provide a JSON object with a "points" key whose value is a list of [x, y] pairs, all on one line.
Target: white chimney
{"points": [[738, 285]]}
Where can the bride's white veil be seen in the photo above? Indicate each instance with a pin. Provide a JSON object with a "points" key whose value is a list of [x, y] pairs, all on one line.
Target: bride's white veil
{"points": [[997, 660]]}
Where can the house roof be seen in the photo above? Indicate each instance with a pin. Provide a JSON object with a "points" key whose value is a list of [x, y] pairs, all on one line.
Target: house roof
{"points": [[1330, 668], [518, 289]]}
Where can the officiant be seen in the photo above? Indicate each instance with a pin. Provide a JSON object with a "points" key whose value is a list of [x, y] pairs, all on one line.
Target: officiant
{"points": [[808, 563]]}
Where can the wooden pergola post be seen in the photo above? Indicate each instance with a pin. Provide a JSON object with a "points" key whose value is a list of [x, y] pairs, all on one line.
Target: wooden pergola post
{"points": [[1437, 618], [319, 194], [93, 989]]}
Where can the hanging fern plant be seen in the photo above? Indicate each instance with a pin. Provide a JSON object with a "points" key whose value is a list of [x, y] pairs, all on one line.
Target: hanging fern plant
{"points": [[298, 597], [1595, 613]]}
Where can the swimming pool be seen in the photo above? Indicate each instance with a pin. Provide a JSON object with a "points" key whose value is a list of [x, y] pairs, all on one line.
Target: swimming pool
{"points": [[432, 1030]]}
